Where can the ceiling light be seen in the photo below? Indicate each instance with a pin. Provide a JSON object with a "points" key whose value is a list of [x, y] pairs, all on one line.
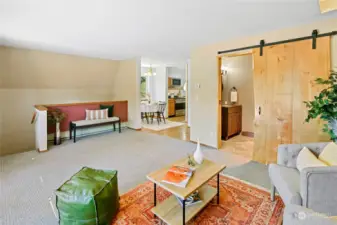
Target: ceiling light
{"points": [[150, 72]]}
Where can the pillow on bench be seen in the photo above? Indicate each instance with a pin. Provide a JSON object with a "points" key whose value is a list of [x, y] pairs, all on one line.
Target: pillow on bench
{"points": [[96, 114], [110, 109]]}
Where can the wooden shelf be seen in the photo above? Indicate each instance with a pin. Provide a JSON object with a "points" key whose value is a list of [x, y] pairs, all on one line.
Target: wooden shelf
{"points": [[171, 212]]}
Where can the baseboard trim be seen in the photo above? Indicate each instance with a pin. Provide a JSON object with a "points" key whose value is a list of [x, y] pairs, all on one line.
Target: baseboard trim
{"points": [[247, 134]]}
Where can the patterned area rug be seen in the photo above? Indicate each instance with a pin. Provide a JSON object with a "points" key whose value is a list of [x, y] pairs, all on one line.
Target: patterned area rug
{"points": [[240, 204], [161, 126]]}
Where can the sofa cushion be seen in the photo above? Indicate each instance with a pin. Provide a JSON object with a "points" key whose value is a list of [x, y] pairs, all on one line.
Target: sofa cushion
{"points": [[329, 154], [307, 159], [287, 182], [96, 114], [92, 122], [287, 153]]}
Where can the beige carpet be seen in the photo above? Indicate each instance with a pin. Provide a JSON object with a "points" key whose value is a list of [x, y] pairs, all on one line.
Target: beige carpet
{"points": [[161, 126], [28, 179]]}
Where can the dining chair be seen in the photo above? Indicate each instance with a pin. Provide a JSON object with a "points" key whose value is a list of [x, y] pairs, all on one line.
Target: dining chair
{"points": [[161, 111], [143, 113]]}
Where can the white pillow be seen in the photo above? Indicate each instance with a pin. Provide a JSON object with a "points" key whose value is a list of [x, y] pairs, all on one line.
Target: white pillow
{"points": [[329, 154], [96, 114], [307, 159]]}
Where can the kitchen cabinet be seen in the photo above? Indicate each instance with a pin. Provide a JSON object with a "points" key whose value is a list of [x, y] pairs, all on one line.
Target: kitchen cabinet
{"points": [[170, 82], [171, 107], [231, 120]]}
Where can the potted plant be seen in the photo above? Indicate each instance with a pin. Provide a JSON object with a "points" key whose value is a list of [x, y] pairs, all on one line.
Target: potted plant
{"points": [[324, 105], [55, 116]]}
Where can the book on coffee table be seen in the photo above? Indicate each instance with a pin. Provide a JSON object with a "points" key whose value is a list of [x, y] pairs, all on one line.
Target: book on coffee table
{"points": [[193, 199], [178, 176]]}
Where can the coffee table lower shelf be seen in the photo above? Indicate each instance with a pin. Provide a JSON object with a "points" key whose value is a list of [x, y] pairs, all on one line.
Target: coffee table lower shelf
{"points": [[171, 212]]}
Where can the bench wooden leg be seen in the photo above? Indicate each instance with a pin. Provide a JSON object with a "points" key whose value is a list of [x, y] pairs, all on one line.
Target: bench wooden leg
{"points": [[114, 124], [74, 133], [119, 126], [70, 130]]}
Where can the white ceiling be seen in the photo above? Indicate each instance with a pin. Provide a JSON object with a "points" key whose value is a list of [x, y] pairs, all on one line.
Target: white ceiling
{"points": [[164, 29]]}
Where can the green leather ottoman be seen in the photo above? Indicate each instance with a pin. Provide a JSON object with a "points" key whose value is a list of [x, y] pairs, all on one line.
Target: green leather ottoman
{"points": [[90, 197]]}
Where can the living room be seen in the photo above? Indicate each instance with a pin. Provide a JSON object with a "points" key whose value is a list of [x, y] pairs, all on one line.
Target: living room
{"points": [[70, 115]]}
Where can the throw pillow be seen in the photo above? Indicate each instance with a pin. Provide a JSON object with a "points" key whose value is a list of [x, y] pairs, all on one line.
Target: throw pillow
{"points": [[110, 109], [307, 159], [329, 154], [96, 114]]}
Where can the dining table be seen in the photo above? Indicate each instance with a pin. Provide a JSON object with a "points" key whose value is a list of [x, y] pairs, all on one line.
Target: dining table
{"points": [[148, 110]]}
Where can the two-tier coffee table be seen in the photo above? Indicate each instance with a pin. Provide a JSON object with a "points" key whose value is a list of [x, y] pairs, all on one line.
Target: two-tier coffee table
{"points": [[170, 211]]}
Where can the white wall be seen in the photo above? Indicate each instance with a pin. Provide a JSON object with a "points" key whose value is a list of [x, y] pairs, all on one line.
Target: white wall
{"points": [[189, 96], [205, 71], [127, 86], [160, 84]]}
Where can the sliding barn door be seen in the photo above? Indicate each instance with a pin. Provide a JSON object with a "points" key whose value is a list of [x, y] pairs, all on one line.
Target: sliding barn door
{"points": [[284, 78]]}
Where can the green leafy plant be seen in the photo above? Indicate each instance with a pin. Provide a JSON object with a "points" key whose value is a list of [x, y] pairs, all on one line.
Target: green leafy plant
{"points": [[324, 105], [55, 115], [190, 160]]}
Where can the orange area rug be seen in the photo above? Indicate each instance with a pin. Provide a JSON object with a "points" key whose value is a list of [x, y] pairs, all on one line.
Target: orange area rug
{"points": [[240, 204]]}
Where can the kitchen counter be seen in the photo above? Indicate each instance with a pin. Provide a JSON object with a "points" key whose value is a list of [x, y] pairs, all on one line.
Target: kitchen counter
{"points": [[230, 106], [177, 98]]}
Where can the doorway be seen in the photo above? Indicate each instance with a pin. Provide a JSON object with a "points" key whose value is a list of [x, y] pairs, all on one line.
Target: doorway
{"points": [[237, 104], [283, 77]]}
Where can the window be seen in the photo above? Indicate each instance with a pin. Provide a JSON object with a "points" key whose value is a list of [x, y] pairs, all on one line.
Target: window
{"points": [[143, 89]]}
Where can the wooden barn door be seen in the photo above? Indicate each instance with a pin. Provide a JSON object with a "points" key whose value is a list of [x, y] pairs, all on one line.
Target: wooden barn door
{"points": [[284, 78]]}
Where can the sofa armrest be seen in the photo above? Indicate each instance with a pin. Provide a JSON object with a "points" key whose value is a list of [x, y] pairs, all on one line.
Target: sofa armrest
{"points": [[318, 189], [287, 153], [298, 215]]}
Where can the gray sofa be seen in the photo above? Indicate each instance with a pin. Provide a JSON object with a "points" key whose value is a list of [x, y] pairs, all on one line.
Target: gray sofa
{"points": [[314, 188], [299, 215]]}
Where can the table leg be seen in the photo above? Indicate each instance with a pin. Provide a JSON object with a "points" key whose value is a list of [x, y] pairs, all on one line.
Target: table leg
{"points": [[218, 188], [155, 194], [147, 118], [184, 211]]}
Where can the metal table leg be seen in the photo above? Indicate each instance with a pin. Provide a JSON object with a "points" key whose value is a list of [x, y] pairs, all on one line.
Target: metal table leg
{"points": [[155, 196], [218, 188], [184, 211]]}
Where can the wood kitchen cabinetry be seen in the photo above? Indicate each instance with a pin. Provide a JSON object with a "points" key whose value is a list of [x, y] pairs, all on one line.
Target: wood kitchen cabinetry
{"points": [[171, 107], [170, 82], [231, 120]]}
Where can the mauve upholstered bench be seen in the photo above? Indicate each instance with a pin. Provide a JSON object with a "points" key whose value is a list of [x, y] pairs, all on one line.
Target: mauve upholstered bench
{"points": [[74, 125], [90, 197]]}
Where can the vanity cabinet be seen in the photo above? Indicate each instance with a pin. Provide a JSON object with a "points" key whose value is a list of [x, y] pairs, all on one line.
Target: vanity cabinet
{"points": [[231, 120]]}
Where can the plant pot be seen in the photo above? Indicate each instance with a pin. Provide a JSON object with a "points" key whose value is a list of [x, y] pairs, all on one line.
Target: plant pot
{"points": [[57, 137]]}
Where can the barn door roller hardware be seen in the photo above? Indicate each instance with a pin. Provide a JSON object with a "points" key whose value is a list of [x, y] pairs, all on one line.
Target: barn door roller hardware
{"points": [[262, 44], [261, 47], [314, 38]]}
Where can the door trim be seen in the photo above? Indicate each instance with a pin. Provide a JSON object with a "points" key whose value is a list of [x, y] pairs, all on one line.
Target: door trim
{"points": [[219, 101]]}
